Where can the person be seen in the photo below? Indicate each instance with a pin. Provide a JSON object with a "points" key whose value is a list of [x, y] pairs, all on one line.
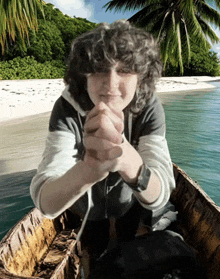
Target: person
{"points": [[106, 148]]}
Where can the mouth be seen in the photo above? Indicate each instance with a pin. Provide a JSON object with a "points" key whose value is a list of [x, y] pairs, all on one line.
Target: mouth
{"points": [[109, 97]]}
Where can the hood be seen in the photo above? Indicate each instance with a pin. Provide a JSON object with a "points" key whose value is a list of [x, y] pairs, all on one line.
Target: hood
{"points": [[67, 96]]}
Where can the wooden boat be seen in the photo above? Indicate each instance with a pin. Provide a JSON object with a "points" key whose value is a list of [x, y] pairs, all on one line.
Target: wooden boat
{"points": [[38, 247]]}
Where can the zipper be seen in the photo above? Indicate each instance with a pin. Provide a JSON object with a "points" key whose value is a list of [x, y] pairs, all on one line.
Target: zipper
{"points": [[106, 198]]}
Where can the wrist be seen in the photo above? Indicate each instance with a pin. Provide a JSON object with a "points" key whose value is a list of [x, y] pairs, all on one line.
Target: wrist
{"points": [[142, 179], [92, 173], [131, 164]]}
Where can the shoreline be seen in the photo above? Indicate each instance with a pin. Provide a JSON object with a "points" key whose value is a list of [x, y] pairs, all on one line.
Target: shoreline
{"points": [[25, 107], [22, 98]]}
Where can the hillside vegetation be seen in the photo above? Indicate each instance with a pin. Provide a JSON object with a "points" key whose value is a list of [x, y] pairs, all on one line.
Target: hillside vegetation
{"points": [[45, 52]]}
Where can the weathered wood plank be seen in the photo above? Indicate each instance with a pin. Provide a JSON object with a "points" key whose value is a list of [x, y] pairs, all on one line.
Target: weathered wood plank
{"points": [[200, 218], [7, 275], [27, 243], [46, 248], [61, 256]]}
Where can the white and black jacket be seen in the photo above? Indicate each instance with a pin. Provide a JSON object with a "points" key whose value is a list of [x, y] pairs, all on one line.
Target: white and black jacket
{"points": [[112, 196]]}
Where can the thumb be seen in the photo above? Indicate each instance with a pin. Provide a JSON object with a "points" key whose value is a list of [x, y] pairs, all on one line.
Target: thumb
{"points": [[114, 152], [109, 154]]}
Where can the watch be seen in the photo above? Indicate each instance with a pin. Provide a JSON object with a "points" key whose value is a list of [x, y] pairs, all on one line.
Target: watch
{"points": [[142, 181]]}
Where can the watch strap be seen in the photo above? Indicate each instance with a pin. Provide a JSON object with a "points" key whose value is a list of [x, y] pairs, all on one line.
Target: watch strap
{"points": [[142, 181]]}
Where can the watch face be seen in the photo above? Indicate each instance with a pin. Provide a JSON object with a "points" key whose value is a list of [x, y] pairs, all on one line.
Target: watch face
{"points": [[143, 180]]}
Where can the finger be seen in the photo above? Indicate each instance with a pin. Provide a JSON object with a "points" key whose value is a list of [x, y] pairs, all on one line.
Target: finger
{"points": [[110, 135], [105, 155], [97, 108], [99, 144], [109, 154], [117, 117], [98, 121], [101, 149], [104, 120], [102, 127], [106, 134], [114, 153], [92, 153]]}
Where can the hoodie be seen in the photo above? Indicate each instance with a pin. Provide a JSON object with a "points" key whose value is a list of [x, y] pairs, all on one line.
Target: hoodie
{"points": [[112, 196]]}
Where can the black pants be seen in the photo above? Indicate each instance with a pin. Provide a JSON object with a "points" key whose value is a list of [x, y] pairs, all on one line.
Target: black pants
{"points": [[95, 237]]}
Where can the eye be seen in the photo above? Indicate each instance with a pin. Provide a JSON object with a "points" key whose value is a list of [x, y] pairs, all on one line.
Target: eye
{"points": [[97, 74]]}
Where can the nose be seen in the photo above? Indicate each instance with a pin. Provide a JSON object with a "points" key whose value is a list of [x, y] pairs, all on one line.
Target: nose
{"points": [[111, 80]]}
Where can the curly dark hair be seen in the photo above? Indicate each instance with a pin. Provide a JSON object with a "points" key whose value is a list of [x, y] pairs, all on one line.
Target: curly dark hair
{"points": [[100, 49]]}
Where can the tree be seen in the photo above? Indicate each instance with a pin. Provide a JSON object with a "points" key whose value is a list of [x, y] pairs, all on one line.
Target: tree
{"points": [[52, 40], [202, 63], [175, 24], [18, 15], [46, 44]]}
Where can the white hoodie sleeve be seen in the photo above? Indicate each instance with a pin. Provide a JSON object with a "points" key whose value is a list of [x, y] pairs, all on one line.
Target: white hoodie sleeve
{"points": [[57, 159], [152, 146], [154, 151]]}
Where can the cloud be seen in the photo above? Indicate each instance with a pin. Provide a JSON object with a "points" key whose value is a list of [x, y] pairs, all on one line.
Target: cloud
{"points": [[76, 8]]}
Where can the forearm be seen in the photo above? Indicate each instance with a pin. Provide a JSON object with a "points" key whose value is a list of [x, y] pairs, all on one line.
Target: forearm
{"points": [[152, 192], [60, 193], [155, 154], [130, 172]]}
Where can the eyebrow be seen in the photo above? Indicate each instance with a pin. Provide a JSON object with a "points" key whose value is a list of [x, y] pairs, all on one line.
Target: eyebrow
{"points": [[119, 67]]}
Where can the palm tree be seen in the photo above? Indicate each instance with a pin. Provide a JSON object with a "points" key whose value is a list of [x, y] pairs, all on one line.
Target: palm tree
{"points": [[175, 24], [17, 16]]}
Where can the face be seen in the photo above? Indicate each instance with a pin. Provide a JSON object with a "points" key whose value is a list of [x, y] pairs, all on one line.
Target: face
{"points": [[115, 88]]}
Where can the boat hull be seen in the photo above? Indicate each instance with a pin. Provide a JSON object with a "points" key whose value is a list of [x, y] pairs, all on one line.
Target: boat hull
{"points": [[38, 247]]}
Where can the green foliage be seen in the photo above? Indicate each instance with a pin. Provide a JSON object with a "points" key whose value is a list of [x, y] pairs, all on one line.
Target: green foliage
{"points": [[174, 24], [69, 27], [53, 39], [29, 68], [17, 17], [44, 53], [47, 44], [203, 63]]}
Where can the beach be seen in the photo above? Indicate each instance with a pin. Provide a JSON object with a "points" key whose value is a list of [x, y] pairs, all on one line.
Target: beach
{"points": [[21, 98], [25, 107]]}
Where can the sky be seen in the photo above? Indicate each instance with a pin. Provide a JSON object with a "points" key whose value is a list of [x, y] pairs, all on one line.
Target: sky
{"points": [[90, 9], [93, 11]]}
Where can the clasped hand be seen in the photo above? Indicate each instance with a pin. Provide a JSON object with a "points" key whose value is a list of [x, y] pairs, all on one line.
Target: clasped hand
{"points": [[103, 137]]}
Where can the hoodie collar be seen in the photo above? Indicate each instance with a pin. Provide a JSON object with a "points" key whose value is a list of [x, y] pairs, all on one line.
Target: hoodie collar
{"points": [[67, 96]]}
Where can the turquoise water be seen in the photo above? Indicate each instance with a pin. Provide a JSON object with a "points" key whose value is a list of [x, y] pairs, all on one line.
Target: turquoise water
{"points": [[15, 199], [193, 133]]}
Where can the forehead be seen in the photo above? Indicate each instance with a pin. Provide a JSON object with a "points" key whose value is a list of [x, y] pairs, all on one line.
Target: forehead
{"points": [[117, 66]]}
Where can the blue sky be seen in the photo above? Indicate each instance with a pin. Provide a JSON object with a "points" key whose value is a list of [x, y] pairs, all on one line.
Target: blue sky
{"points": [[93, 11]]}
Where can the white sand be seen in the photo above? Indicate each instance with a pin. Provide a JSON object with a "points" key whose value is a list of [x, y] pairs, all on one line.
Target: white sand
{"points": [[22, 140], [20, 98]]}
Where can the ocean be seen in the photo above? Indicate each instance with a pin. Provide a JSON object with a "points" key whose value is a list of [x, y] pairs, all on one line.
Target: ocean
{"points": [[193, 136]]}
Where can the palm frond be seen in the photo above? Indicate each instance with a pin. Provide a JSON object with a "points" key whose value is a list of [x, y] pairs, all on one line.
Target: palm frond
{"points": [[18, 15], [149, 18], [178, 34], [143, 13], [208, 13], [195, 30], [187, 40], [208, 31], [128, 5], [175, 23]]}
